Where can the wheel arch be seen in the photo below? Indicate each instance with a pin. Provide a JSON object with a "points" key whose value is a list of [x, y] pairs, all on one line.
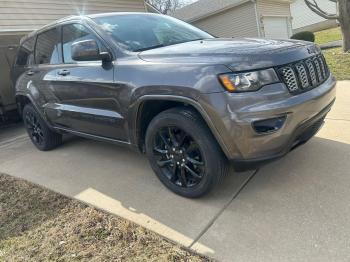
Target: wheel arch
{"points": [[23, 99], [139, 125]]}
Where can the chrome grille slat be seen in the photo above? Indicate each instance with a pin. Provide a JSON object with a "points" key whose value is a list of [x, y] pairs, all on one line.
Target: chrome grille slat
{"points": [[304, 75], [290, 78], [304, 81], [312, 71], [323, 69], [318, 69], [325, 65]]}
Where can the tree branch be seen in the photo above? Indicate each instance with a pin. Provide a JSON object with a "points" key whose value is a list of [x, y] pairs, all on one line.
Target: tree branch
{"points": [[166, 6], [315, 8]]}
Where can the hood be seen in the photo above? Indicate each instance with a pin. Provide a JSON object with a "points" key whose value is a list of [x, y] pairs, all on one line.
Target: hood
{"points": [[237, 54]]}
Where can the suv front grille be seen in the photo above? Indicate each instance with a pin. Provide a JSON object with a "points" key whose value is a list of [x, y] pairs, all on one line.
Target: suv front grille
{"points": [[304, 75]]}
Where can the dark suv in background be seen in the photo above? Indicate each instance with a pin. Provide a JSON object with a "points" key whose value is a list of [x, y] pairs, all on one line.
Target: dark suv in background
{"points": [[188, 100]]}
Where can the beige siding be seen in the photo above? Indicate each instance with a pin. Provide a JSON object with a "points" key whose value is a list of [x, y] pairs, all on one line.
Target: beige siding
{"points": [[273, 8], [32, 14], [239, 21]]}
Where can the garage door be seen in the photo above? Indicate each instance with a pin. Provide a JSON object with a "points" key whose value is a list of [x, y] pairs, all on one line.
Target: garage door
{"points": [[276, 27]]}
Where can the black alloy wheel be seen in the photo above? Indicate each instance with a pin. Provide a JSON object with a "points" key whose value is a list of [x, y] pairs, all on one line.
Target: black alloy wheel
{"points": [[39, 132], [179, 157], [34, 128], [183, 152]]}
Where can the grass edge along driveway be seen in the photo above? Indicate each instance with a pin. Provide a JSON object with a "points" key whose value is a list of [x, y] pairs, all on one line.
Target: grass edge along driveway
{"points": [[39, 225]]}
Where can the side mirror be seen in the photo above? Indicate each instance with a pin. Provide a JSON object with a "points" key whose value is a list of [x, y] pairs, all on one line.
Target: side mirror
{"points": [[88, 50]]}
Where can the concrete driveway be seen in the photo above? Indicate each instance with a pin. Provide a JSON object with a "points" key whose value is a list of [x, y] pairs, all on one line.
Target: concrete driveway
{"points": [[295, 209]]}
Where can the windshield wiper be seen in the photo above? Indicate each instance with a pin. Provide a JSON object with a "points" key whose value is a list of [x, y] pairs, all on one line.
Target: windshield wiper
{"points": [[197, 39], [162, 45], [149, 48]]}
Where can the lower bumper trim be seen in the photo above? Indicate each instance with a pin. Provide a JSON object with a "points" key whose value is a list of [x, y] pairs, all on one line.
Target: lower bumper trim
{"points": [[301, 135]]}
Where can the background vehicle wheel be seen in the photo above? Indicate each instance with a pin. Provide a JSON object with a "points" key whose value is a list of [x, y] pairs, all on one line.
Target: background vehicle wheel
{"points": [[183, 152], [40, 134]]}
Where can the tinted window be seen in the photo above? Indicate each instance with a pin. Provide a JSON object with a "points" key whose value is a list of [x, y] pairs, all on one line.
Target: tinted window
{"points": [[25, 53], [46, 51], [75, 33], [142, 32]]}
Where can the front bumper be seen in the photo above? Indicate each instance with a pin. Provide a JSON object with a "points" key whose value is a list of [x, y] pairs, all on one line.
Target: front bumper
{"points": [[300, 136], [234, 114]]}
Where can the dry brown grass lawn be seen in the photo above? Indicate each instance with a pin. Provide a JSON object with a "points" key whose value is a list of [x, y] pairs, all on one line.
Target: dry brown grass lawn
{"points": [[338, 62], [39, 225], [328, 35]]}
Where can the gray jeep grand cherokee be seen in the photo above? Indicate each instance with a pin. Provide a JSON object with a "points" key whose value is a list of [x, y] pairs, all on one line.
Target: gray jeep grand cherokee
{"points": [[190, 101]]}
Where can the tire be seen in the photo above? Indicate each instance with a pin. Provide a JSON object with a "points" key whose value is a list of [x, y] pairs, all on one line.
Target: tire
{"points": [[195, 145], [39, 132]]}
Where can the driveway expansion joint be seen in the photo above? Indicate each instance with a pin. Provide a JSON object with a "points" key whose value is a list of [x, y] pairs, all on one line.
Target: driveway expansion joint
{"points": [[9, 142], [234, 196], [338, 119]]}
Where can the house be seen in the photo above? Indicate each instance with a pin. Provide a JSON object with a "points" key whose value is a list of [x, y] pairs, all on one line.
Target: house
{"points": [[240, 18], [19, 17], [306, 20]]}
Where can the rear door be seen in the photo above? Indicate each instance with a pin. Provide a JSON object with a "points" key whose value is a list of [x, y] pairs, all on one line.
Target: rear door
{"points": [[41, 76], [86, 98]]}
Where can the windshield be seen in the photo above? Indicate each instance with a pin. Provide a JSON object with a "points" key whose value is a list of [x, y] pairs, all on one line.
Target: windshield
{"points": [[139, 32]]}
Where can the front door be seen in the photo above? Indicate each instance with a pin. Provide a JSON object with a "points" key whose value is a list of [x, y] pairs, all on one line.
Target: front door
{"points": [[86, 96]]}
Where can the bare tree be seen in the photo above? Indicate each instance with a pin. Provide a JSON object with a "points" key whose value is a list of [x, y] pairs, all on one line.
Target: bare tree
{"points": [[342, 15], [166, 6]]}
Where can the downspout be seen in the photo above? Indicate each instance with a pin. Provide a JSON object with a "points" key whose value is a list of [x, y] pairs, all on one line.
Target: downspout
{"points": [[257, 17]]}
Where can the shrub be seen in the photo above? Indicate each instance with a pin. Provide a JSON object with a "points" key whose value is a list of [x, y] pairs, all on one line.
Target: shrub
{"points": [[306, 36]]}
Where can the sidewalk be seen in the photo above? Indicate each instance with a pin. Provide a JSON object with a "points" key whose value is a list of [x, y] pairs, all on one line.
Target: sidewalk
{"points": [[332, 45]]}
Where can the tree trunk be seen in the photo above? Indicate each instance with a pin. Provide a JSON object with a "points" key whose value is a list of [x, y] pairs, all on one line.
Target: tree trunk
{"points": [[344, 20]]}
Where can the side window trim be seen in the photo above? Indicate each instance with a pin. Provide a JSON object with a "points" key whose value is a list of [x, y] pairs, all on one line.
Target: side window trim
{"points": [[61, 42], [34, 52], [59, 48]]}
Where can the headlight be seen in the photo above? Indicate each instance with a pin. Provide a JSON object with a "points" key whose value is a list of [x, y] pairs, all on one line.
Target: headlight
{"points": [[249, 81]]}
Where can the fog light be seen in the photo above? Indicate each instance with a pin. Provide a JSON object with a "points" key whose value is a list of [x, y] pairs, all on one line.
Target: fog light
{"points": [[269, 125]]}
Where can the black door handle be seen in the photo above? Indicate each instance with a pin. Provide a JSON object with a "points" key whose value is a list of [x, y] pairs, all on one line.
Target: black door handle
{"points": [[63, 72]]}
